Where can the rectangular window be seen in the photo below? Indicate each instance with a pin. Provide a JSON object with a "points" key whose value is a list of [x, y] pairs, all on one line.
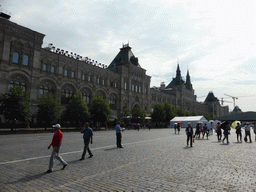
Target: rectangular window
{"points": [[25, 60], [52, 69], [132, 87], [73, 74], [83, 77], [103, 82], [89, 78], [136, 89], [44, 67], [125, 86], [115, 85], [15, 57], [98, 80], [66, 73], [139, 89]]}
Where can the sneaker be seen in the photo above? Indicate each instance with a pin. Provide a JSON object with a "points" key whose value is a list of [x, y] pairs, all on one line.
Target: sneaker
{"points": [[81, 159], [90, 156], [64, 166], [49, 171]]}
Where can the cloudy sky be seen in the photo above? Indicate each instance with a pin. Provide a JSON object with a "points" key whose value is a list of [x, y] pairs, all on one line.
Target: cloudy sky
{"points": [[213, 39]]}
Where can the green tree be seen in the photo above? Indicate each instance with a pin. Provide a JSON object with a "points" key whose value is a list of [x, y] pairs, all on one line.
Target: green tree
{"points": [[180, 112], [15, 104], [193, 114], [99, 110], [208, 116], [186, 113], [158, 114], [138, 115], [169, 112], [48, 110], [76, 111], [125, 111]]}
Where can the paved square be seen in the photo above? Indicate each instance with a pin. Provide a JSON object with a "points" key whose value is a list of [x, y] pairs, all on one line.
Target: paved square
{"points": [[155, 160]]}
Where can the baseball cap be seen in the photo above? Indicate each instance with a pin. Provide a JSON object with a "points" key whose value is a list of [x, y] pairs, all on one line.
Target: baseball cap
{"points": [[57, 125]]}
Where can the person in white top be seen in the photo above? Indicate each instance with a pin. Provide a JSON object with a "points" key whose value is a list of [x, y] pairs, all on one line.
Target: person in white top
{"points": [[247, 128], [254, 129]]}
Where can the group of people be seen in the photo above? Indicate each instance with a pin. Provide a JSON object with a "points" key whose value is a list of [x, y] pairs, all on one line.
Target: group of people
{"points": [[199, 129], [226, 132], [204, 130], [57, 141], [88, 138], [177, 128], [225, 128]]}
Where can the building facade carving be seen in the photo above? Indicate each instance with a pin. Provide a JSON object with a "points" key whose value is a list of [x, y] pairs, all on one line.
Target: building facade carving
{"points": [[124, 83]]}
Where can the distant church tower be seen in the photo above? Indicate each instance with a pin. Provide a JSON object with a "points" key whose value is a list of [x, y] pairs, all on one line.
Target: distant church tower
{"points": [[188, 82]]}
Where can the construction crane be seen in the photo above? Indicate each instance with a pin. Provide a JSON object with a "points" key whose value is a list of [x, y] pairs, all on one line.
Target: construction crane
{"points": [[234, 99], [222, 101]]}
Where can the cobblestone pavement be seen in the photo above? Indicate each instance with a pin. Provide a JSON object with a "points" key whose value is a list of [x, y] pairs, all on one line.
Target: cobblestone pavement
{"points": [[155, 160]]}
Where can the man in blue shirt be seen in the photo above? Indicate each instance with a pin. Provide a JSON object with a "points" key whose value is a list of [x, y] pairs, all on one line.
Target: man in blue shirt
{"points": [[118, 135], [88, 135]]}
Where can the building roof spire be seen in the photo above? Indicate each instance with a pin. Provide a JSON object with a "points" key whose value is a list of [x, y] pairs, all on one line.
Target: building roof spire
{"points": [[188, 81]]}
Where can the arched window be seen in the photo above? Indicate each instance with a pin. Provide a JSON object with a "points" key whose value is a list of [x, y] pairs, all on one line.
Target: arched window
{"points": [[86, 97], [46, 87], [113, 101], [43, 90], [15, 57], [17, 82], [25, 60], [67, 92]]}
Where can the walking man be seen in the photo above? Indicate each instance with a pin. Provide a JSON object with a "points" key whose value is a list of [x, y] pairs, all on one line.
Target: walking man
{"points": [[118, 135], [88, 136], [247, 128], [205, 130], [189, 132], [226, 133], [238, 132], [218, 130], [56, 143]]}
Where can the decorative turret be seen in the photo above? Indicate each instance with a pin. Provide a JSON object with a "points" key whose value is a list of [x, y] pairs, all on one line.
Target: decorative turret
{"points": [[188, 82], [211, 98], [124, 57]]}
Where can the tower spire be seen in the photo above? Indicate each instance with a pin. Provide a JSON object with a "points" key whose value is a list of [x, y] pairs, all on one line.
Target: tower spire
{"points": [[188, 81]]}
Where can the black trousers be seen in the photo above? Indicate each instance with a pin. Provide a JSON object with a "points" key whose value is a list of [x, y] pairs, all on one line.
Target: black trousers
{"points": [[239, 134], [248, 133], [86, 147], [118, 139], [189, 137], [219, 135]]}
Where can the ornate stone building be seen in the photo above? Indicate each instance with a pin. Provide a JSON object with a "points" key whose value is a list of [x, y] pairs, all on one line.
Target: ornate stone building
{"points": [[124, 83]]}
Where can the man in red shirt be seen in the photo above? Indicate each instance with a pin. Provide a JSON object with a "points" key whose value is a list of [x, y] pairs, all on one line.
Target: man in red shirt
{"points": [[56, 143]]}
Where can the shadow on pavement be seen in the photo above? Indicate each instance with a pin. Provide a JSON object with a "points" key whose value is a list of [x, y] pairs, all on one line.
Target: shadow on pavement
{"points": [[187, 147], [28, 178], [110, 149]]}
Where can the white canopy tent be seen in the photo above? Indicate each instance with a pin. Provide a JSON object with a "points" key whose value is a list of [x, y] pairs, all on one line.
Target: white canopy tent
{"points": [[189, 119]]}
